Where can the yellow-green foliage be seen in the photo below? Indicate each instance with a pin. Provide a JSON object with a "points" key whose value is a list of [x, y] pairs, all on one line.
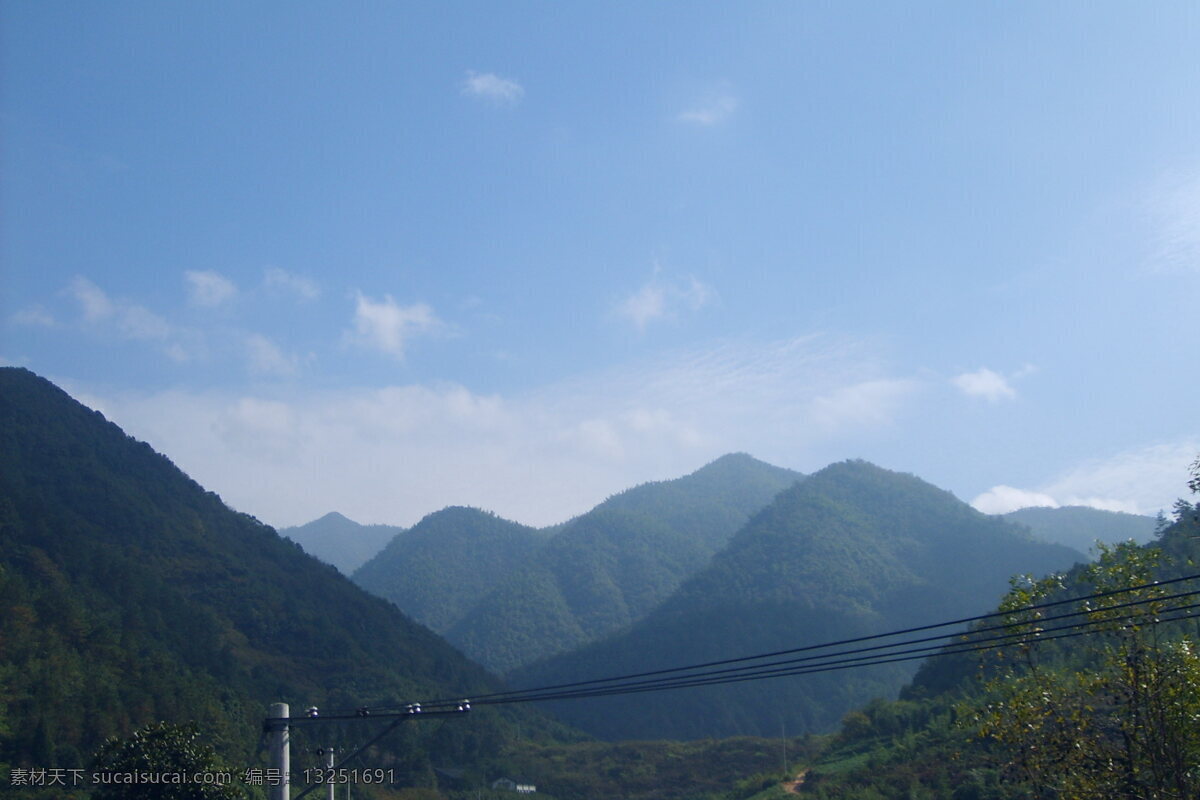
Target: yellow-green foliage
{"points": [[1120, 724]]}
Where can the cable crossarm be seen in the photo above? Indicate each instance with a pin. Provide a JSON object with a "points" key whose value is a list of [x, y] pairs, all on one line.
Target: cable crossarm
{"points": [[703, 671], [803, 666], [434, 709]]}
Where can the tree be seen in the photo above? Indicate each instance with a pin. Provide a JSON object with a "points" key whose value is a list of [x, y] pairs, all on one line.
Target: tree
{"points": [[163, 761], [1111, 718]]}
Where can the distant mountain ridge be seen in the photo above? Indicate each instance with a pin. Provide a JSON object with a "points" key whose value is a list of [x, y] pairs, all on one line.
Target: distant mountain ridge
{"points": [[1080, 526], [609, 567], [508, 595], [447, 563], [852, 550], [340, 541]]}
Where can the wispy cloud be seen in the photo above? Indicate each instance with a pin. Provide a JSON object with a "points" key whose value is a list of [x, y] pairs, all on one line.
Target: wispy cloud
{"points": [[663, 298], [138, 322], [492, 88], [387, 326], [263, 357], [92, 299], [1174, 209], [208, 288], [716, 107], [302, 287], [128, 320], [393, 454], [872, 402], [983, 382], [644, 306], [1139, 481], [35, 316]]}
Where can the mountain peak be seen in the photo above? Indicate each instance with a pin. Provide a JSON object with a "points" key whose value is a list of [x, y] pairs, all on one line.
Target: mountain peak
{"points": [[733, 461]]}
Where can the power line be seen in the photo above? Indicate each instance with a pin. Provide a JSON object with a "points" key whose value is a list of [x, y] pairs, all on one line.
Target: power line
{"points": [[617, 684], [1030, 628], [793, 667]]}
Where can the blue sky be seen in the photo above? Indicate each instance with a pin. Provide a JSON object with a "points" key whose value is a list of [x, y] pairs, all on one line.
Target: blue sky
{"points": [[385, 257]]}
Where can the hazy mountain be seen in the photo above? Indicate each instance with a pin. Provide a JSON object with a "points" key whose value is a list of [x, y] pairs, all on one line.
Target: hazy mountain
{"points": [[851, 550], [447, 562], [340, 541], [611, 566], [711, 503], [1079, 526], [128, 594]]}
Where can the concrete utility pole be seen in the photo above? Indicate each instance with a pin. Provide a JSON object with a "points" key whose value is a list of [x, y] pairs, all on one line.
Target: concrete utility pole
{"points": [[329, 763], [281, 751], [278, 722]]}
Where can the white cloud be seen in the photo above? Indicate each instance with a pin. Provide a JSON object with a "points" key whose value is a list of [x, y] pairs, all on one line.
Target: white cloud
{"points": [[387, 326], [265, 358], [696, 294], [647, 304], [596, 438], [302, 287], [94, 302], [1003, 499], [661, 299], [1174, 209], [396, 453], [715, 108], [136, 322], [872, 402], [35, 316], [128, 320], [493, 88], [661, 423], [208, 288], [253, 425], [984, 383], [1144, 480], [1141, 481]]}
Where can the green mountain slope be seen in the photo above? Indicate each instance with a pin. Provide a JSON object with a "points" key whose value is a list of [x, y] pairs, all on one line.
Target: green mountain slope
{"points": [[611, 566], [128, 594], [1110, 714], [852, 550], [1080, 527], [713, 502], [340, 541], [446, 563]]}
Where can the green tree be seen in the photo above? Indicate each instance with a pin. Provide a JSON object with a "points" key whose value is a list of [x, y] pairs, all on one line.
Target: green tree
{"points": [[170, 762], [1113, 718]]}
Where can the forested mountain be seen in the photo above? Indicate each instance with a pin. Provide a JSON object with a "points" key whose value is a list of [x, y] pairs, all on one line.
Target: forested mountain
{"points": [[1080, 527], [854, 549], [340, 541], [609, 567], [711, 503], [446, 563], [129, 594]]}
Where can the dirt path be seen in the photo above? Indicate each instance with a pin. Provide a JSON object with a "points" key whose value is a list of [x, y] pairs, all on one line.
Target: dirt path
{"points": [[794, 785]]}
